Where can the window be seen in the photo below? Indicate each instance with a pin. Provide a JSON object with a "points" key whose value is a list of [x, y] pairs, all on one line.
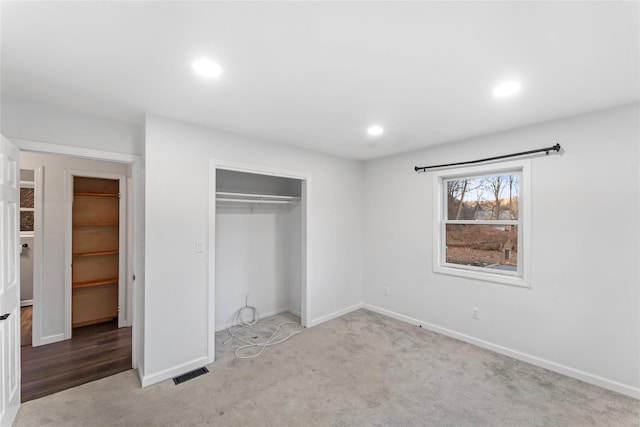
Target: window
{"points": [[481, 222], [27, 206]]}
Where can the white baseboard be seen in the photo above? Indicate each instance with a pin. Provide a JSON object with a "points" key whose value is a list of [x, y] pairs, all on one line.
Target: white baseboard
{"points": [[49, 339], [534, 360], [147, 380], [335, 314], [294, 312], [140, 369], [26, 303], [11, 413]]}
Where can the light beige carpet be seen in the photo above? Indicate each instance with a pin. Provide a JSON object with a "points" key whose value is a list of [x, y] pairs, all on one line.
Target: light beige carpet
{"points": [[362, 369]]}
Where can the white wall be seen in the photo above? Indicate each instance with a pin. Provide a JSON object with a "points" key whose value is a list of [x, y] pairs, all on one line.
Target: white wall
{"points": [[252, 257], [51, 303], [582, 314], [177, 174], [26, 268], [40, 122]]}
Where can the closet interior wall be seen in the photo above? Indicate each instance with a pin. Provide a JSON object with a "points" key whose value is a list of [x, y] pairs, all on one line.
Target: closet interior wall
{"points": [[258, 244]]}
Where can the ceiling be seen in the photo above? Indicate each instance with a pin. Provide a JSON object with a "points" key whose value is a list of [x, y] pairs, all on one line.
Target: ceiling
{"points": [[316, 74]]}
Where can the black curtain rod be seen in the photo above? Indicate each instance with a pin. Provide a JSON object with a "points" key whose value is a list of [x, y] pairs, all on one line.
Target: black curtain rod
{"points": [[488, 159]]}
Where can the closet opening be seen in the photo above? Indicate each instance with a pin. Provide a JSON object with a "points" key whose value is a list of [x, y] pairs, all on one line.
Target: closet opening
{"points": [[98, 249], [258, 246]]}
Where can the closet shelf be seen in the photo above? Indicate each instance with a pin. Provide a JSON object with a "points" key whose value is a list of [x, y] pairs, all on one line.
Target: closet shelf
{"points": [[250, 198], [90, 283], [95, 253], [94, 321], [88, 224], [97, 194]]}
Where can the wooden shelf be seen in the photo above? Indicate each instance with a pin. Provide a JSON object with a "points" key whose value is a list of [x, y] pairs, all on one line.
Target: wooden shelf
{"points": [[97, 194], [95, 283], [95, 267], [99, 224], [93, 321], [96, 253]]}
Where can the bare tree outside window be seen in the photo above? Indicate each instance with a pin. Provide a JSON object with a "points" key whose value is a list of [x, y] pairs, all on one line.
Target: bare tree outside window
{"points": [[27, 210], [481, 227]]}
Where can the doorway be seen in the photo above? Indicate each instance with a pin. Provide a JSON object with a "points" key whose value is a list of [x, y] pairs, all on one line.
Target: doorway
{"points": [[53, 306], [30, 202], [97, 253]]}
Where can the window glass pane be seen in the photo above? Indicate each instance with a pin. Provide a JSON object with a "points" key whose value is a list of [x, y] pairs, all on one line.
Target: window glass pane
{"points": [[26, 221], [489, 246], [26, 198], [492, 197]]}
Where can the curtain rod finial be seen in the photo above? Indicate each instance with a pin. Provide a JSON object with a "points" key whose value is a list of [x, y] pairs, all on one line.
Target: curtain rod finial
{"points": [[555, 148]]}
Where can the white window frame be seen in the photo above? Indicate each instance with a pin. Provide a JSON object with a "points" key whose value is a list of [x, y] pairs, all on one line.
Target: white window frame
{"points": [[27, 184], [440, 266]]}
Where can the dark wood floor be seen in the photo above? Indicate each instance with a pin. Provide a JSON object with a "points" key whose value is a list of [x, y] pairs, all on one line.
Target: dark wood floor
{"points": [[94, 352]]}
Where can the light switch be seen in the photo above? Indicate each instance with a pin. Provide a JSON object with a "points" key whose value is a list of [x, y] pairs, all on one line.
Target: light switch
{"points": [[199, 246]]}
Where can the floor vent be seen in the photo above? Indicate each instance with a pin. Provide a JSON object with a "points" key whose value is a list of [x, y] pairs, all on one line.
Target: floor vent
{"points": [[189, 375]]}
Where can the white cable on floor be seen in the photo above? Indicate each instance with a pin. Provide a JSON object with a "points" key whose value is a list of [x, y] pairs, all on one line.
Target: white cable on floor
{"points": [[278, 336], [240, 318]]}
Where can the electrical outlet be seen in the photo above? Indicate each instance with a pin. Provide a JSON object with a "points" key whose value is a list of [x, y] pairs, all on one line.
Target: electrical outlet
{"points": [[386, 291], [475, 313]]}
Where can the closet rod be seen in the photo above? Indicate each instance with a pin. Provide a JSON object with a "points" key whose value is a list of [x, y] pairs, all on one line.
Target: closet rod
{"points": [[254, 201], [488, 159], [263, 196]]}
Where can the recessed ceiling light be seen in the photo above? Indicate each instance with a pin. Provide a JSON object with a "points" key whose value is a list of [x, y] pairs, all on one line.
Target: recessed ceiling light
{"points": [[207, 68], [506, 89], [375, 130]]}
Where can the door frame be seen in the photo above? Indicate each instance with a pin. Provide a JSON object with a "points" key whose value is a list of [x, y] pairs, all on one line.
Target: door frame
{"points": [[124, 291], [135, 274], [305, 178]]}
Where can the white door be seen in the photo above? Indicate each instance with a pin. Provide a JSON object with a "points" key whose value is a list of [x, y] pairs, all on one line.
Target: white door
{"points": [[9, 283]]}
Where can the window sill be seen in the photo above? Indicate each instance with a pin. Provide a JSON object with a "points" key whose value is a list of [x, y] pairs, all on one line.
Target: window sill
{"points": [[518, 281]]}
